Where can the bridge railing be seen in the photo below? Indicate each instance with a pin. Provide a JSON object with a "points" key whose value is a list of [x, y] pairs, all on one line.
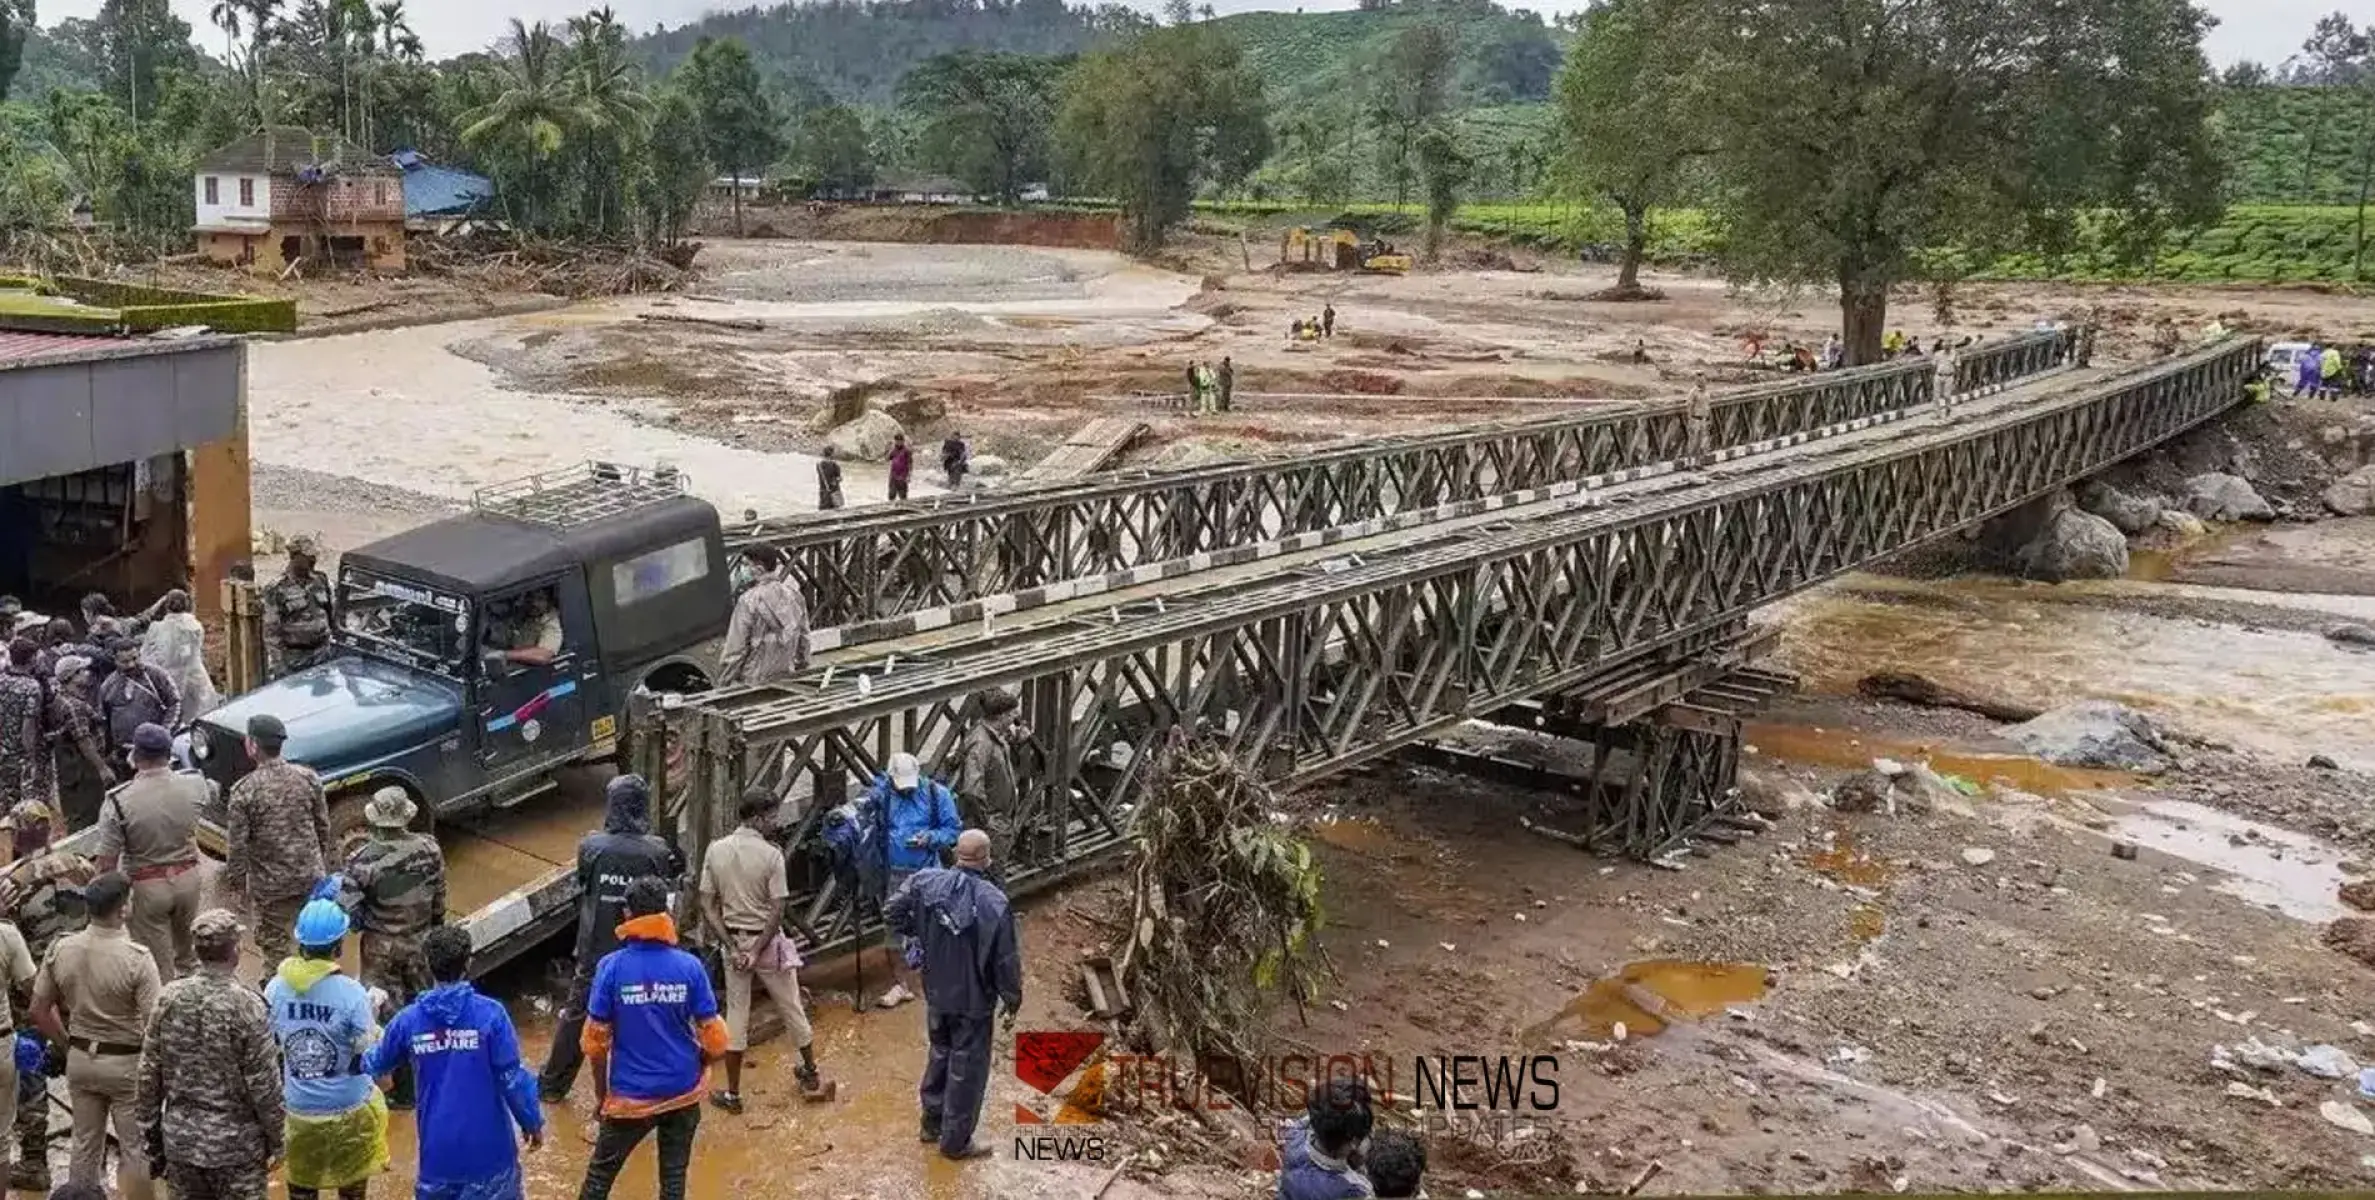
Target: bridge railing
{"points": [[1993, 366], [889, 560], [1306, 675]]}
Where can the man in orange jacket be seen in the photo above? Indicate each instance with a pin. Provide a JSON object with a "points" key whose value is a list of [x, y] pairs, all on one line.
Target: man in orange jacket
{"points": [[652, 1028]]}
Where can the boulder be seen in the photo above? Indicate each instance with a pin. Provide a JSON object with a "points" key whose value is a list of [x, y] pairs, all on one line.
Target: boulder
{"points": [[2094, 733], [2215, 497], [2354, 936], [2359, 894], [1772, 795], [2183, 524], [867, 438], [1862, 792], [1921, 790], [2074, 544], [2132, 514], [2351, 635], [2353, 495], [990, 466]]}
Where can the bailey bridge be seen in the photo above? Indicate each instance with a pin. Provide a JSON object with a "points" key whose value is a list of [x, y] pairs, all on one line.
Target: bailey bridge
{"points": [[1576, 575]]}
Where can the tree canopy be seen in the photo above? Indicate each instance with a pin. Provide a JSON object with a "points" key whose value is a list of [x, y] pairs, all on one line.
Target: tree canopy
{"points": [[985, 118], [1629, 119], [1150, 121]]}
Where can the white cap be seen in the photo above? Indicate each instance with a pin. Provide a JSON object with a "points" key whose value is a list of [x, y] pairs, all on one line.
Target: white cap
{"points": [[905, 771]]}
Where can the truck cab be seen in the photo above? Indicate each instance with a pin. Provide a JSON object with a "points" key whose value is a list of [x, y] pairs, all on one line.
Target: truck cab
{"points": [[476, 654]]}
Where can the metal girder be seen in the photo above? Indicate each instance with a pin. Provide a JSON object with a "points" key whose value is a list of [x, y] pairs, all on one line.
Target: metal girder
{"points": [[864, 564], [1314, 673]]}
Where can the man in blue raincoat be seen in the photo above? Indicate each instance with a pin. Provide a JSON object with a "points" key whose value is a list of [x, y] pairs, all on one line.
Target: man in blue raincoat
{"points": [[476, 1100], [972, 965]]}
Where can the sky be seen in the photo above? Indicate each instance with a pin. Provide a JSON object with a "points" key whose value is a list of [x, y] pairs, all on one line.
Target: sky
{"points": [[2266, 30]]}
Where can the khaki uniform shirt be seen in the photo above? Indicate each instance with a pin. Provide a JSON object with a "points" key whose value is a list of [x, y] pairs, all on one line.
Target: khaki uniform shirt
{"points": [[152, 821], [742, 883], [103, 983], [16, 963]]}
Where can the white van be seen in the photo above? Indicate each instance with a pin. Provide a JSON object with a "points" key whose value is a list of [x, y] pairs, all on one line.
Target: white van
{"points": [[2286, 357]]}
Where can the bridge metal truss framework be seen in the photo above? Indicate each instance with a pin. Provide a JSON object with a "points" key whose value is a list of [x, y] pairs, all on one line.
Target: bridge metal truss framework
{"points": [[1555, 622], [886, 560]]}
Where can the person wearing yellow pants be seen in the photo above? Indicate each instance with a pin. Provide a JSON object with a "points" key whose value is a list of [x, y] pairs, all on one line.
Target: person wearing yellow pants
{"points": [[337, 1121]]}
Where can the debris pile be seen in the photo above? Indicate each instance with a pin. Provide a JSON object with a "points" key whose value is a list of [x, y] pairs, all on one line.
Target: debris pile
{"points": [[500, 262], [1223, 907]]}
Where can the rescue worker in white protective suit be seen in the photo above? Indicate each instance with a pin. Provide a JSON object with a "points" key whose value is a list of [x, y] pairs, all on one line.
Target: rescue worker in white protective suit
{"points": [[175, 643]]}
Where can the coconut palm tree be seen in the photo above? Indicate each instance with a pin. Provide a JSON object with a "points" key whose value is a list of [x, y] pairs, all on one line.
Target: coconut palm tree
{"points": [[613, 110], [524, 126], [396, 38], [225, 16]]}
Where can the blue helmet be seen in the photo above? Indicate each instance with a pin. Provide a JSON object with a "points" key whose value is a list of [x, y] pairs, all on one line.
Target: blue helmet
{"points": [[321, 923]]}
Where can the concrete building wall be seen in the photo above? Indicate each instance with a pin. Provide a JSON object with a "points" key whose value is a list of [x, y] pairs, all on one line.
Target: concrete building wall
{"points": [[230, 204]]}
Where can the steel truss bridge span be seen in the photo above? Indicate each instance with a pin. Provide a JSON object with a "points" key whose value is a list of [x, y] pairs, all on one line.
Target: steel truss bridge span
{"points": [[885, 560], [1316, 672]]}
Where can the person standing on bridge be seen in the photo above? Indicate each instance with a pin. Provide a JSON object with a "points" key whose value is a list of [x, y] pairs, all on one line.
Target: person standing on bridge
{"points": [[395, 885], [623, 851], [1228, 383], [277, 828], [972, 964], [209, 1105], [149, 828], [1697, 413], [767, 638], [902, 466], [828, 480], [985, 782], [1327, 319]]}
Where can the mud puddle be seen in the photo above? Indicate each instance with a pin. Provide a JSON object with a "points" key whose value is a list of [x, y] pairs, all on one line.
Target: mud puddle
{"points": [[1834, 748], [1646, 998], [2293, 873]]}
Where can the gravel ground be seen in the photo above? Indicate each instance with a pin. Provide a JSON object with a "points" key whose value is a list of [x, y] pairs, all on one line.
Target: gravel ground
{"points": [[298, 488]]}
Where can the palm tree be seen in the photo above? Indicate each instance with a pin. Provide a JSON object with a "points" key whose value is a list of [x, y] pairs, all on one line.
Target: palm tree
{"points": [[225, 16], [526, 123], [396, 39], [613, 110]]}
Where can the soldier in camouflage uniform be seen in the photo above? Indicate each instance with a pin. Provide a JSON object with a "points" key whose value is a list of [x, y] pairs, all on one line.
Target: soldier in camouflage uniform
{"points": [[209, 1107], [297, 614], [395, 886], [277, 826], [29, 895], [24, 711]]}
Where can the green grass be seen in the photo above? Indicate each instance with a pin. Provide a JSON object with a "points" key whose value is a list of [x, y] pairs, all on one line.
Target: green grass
{"points": [[43, 314]]}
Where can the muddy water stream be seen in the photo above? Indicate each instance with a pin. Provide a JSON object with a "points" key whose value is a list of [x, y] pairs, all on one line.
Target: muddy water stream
{"points": [[2285, 693]]}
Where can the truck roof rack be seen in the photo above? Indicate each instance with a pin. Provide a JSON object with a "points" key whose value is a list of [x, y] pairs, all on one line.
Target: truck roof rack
{"points": [[581, 495]]}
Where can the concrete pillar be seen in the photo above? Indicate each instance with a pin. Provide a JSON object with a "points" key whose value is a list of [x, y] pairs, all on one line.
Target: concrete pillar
{"points": [[221, 512]]}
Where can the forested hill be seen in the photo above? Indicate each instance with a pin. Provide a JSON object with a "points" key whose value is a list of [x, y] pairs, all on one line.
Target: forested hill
{"points": [[1504, 57], [856, 51]]}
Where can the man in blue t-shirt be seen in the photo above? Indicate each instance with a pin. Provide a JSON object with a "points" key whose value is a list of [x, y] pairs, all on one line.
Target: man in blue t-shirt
{"points": [[652, 1028], [470, 1087]]}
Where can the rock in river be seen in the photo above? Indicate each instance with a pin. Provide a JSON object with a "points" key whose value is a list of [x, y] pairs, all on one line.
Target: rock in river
{"points": [[2353, 495], [2132, 514], [2351, 635], [2094, 733], [865, 438], [2216, 497], [2075, 544]]}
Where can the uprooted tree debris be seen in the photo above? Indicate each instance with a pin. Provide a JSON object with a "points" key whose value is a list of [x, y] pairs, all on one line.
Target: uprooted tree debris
{"points": [[1224, 908], [504, 262]]}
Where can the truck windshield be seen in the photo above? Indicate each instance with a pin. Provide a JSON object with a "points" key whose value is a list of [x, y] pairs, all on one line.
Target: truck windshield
{"points": [[405, 621]]}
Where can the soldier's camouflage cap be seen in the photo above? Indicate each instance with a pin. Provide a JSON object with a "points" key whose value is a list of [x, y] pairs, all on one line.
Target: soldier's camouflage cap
{"points": [[216, 925], [305, 544], [29, 812]]}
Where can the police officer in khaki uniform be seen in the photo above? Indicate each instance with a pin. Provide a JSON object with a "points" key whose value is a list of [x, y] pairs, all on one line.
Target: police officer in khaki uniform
{"points": [[297, 613], [148, 829], [94, 996]]}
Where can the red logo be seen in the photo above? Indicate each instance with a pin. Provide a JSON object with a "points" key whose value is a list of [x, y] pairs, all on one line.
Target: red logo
{"points": [[1044, 1059]]}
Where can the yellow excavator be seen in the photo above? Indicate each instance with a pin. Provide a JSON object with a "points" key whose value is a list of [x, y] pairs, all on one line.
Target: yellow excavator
{"points": [[1339, 250]]}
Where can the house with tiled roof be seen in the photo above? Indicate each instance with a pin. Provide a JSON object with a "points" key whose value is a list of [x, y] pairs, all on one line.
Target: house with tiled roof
{"points": [[284, 195]]}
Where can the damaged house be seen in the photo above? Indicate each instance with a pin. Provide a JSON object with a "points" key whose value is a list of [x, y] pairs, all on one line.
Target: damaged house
{"points": [[283, 195]]}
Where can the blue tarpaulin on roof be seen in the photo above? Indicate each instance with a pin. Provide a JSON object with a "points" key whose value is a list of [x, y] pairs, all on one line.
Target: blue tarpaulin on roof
{"points": [[434, 191]]}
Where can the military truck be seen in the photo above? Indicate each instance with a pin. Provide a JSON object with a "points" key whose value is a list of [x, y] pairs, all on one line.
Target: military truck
{"points": [[477, 654]]}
